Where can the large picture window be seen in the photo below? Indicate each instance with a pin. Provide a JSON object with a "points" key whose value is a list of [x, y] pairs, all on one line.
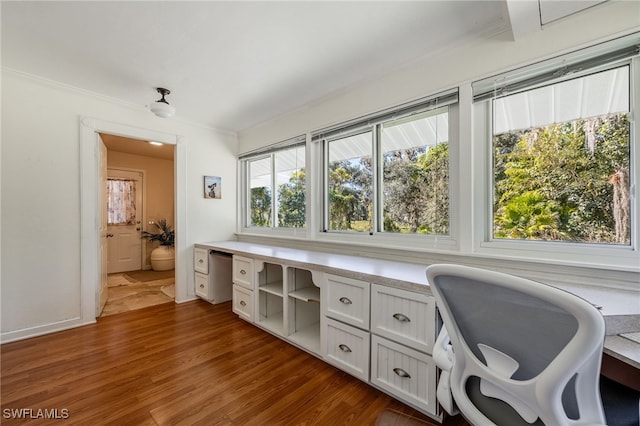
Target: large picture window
{"points": [[276, 190], [561, 161], [390, 173]]}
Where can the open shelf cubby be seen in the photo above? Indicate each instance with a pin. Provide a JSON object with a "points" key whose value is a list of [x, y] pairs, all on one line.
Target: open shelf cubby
{"points": [[270, 298], [303, 309]]}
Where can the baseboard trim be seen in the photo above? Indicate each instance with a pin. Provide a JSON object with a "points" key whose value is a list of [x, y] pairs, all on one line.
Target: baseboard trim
{"points": [[26, 333], [188, 299]]}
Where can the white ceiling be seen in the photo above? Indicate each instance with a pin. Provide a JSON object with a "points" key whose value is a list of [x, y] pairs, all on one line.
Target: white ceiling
{"points": [[232, 65]]}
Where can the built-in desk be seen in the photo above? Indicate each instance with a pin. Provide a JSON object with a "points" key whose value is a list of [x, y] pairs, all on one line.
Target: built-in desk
{"points": [[621, 310], [409, 276]]}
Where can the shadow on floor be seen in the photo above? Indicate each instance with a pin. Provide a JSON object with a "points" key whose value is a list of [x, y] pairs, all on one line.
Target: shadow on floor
{"points": [[138, 289]]}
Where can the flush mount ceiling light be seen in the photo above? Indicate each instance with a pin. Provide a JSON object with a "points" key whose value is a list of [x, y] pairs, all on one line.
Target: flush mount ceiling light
{"points": [[161, 107]]}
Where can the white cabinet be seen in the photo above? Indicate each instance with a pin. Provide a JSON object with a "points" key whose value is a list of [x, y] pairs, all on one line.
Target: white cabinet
{"points": [[201, 271], [347, 348], [243, 302], [243, 296], [347, 300], [201, 260], [406, 373], [243, 271], [346, 308], [404, 316], [212, 275], [202, 285], [403, 327], [380, 334]]}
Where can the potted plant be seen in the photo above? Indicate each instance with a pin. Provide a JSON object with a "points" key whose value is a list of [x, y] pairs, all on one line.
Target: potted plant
{"points": [[163, 256]]}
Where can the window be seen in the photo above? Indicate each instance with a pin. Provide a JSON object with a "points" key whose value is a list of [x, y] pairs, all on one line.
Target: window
{"points": [[415, 178], [561, 157], [350, 183], [276, 190], [562, 151], [389, 173], [121, 202]]}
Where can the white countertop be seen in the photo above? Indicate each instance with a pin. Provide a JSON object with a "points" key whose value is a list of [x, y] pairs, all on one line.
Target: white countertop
{"points": [[623, 348], [397, 274], [619, 308]]}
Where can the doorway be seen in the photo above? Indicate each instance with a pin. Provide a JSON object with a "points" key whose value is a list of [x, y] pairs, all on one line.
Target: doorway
{"points": [[90, 188], [125, 201], [140, 192]]}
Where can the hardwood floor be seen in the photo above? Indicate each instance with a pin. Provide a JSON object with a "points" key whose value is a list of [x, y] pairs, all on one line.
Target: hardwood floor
{"points": [[191, 363]]}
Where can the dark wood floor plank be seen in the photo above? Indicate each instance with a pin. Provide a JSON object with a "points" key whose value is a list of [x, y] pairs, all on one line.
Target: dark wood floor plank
{"points": [[191, 363]]}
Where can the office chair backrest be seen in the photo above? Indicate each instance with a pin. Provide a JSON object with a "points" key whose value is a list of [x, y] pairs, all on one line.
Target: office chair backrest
{"points": [[523, 352]]}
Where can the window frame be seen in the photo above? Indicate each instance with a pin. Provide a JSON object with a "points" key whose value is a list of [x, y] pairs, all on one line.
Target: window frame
{"points": [[555, 252], [373, 124], [244, 204]]}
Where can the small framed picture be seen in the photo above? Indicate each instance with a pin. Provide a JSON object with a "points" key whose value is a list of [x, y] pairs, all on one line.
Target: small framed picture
{"points": [[213, 187]]}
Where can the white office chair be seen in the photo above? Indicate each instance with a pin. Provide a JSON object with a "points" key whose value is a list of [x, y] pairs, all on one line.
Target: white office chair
{"points": [[520, 352]]}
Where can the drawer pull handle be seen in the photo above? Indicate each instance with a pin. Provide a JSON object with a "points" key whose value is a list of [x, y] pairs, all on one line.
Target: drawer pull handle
{"points": [[401, 317], [243, 303], [201, 285], [200, 261], [400, 372], [345, 300], [344, 348], [243, 272]]}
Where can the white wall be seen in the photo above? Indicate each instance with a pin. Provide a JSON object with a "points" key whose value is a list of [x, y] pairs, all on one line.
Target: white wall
{"points": [[459, 67], [464, 64], [40, 285]]}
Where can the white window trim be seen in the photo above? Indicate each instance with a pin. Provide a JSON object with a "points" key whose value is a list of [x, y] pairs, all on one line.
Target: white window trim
{"points": [[592, 255], [244, 202], [390, 240]]}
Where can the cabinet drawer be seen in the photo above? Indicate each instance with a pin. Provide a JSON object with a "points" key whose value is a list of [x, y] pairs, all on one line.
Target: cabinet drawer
{"points": [[347, 300], [201, 260], [243, 302], [405, 373], [202, 285], [404, 316], [243, 271], [347, 348]]}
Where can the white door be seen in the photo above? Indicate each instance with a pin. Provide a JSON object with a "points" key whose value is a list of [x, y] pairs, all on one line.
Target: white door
{"points": [[102, 232], [124, 221]]}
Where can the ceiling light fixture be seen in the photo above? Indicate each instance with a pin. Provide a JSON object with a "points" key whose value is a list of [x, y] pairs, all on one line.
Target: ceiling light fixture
{"points": [[161, 107]]}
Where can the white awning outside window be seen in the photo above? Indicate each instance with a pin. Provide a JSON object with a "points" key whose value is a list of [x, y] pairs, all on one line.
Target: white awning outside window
{"points": [[426, 129], [287, 162], [594, 95]]}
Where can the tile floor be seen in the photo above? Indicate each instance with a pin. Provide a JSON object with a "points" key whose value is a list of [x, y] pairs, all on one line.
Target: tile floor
{"points": [[138, 289]]}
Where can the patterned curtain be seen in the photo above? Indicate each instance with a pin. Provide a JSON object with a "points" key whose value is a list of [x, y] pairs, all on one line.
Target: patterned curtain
{"points": [[121, 202]]}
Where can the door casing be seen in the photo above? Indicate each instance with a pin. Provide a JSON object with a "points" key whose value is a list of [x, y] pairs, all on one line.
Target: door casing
{"points": [[90, 207]]}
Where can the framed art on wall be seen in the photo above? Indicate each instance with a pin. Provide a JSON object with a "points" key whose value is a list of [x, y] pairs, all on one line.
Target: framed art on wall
{"points": [[213, 187]]}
